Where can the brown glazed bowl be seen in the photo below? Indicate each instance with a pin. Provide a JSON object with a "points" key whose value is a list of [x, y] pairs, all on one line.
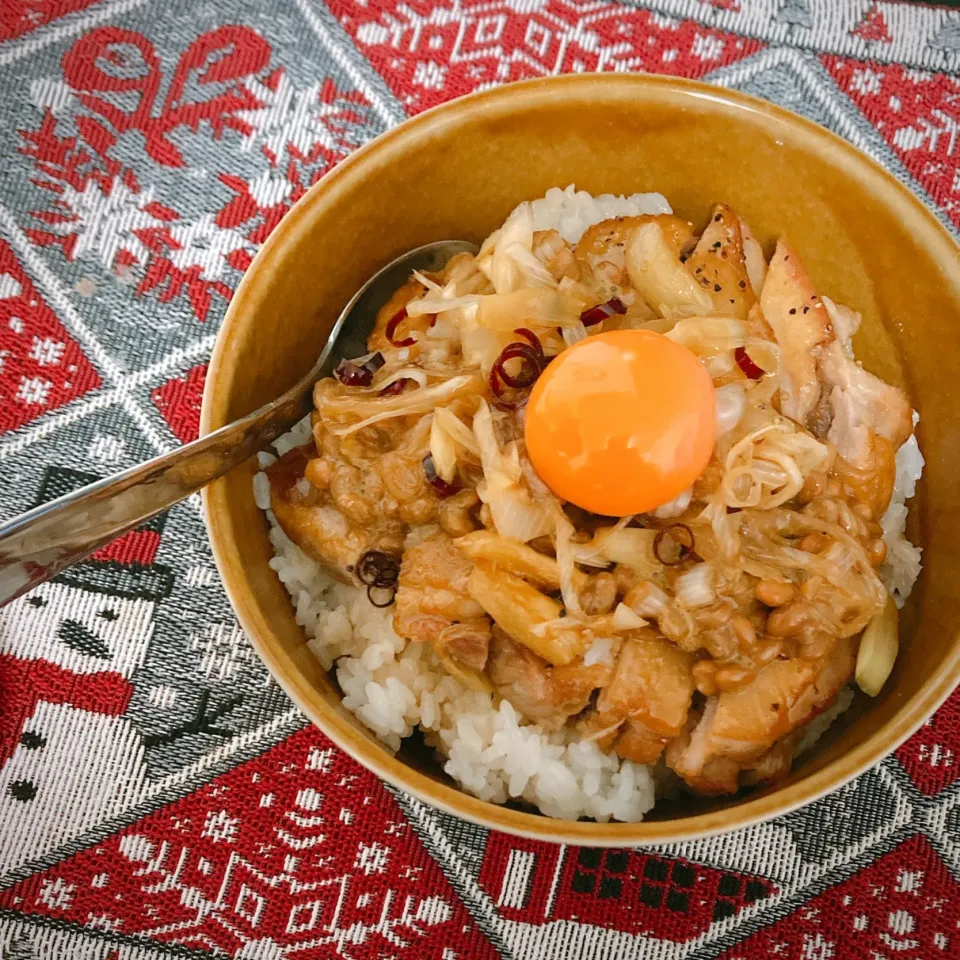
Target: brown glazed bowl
{"points": [[456, 172]]}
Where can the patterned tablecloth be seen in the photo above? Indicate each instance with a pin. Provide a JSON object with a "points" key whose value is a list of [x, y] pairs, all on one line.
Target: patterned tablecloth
{"points": [[159, 795]]}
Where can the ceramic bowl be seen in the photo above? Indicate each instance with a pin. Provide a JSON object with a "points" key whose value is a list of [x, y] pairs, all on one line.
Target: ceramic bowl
{"points": [[457, 171]]}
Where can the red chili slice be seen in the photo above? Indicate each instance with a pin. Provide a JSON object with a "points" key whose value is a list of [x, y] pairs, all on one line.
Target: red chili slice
{"points": [[744, 362], [594, 315], [531, 367], [678, 536], [353, 374], [398, 386], [530, 336], [442, 488], [391, 330]]}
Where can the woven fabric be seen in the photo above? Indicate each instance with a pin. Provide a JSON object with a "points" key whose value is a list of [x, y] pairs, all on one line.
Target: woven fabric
{"points": [[159, 795]]}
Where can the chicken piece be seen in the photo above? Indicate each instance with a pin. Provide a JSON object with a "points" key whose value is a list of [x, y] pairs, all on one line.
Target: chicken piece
{"points": [[800, 323], [686, 755], [601, 253], [467, 642], [637, 742], [773, 765], [313, 520], [749, 720], [740, 726], [432, 600], [607, 240], [719, 264], [845, 321], [456, 514], [652, 683], [541, 692], [833, 675], [601, 730], [862, 404]]}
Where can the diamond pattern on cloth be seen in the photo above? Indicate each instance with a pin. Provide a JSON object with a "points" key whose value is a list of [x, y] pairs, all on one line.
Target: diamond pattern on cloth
{"points": [[158, 791], [429, 53], [904, 904], [178, 401], [41, 366], [295, 853], [918, 115]]}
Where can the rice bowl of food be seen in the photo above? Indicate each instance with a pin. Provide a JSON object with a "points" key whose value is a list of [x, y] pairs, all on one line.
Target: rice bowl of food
{"points": [[607, 527]]}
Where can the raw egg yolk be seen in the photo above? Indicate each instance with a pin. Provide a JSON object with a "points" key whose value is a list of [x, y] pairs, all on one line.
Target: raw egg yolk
{"points": [[622, 422]]}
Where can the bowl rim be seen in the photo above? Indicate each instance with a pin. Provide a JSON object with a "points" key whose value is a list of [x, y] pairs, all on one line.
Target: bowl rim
{"points": [[376, 758]]}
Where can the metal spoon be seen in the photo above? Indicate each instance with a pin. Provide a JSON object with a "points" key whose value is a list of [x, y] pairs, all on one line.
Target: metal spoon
{"points": [[38, 544]]}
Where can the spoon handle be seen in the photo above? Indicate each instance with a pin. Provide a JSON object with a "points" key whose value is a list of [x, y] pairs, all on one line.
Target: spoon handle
{"points": [[39, 544]]}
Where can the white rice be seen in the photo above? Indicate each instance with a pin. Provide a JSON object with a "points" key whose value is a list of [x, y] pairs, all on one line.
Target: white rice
{"points": [[394, 685]]}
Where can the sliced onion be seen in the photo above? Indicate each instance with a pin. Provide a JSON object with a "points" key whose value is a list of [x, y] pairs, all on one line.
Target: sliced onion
{"points": [[652, 603], [457, 430], [535, 274], [626, 619], [697, 587], [359, 372], [516, 515], [443, 452], [601, 311], [533, 306], [417, 401], [566, 567], [574, 334], [731, 401], [439, 304], [600, 651], [396, 387]]}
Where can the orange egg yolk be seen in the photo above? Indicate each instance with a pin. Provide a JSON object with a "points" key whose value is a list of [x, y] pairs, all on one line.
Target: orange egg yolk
{"points": [[622, 422]]}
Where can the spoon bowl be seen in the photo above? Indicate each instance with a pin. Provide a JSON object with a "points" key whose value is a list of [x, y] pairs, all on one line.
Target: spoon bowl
{"points": [[41, 543]]}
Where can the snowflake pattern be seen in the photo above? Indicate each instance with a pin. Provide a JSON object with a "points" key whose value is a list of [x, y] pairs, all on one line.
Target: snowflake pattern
{"points": [[220, 827], [97, 208], [223, 650]]}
